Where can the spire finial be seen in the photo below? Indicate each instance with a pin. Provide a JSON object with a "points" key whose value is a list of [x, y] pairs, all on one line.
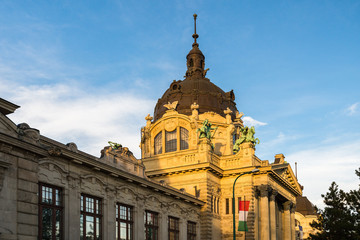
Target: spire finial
{"points": [[195, 36]]}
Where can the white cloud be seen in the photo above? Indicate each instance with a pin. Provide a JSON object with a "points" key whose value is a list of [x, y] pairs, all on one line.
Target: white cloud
{"points": [[70, 114], [353, 109], [249, 121], [319, 166]]}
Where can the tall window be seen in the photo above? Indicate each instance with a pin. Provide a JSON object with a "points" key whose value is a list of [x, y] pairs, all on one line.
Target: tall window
{"points": [[173, 228], [191, 230], [50, 212], [170, 141], [90, 218], [184, 138], [227, 207], [158, 143], [151, 220], [124, 222]]}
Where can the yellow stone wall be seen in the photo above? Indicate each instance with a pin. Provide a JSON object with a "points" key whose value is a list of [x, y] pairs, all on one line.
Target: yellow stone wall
{"points": [[212, 172]]}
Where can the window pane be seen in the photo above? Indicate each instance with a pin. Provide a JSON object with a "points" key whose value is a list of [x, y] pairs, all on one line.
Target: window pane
{"points": [[57, 224], [158, 143], [58, 198], [184, 138], [47, 194], [123, 231], [46, 223], [98, 230], [89, 224], [171, 141], [81, 227]]}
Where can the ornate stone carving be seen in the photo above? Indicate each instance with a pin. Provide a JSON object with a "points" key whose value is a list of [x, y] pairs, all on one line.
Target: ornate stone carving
{"points": [[54, 151], [72, 147], [273, 194], [171, 106], [148, 119], [263, 190], [24, 130], [124, 159]]}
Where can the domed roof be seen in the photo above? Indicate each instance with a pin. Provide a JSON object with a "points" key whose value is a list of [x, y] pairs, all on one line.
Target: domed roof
{"points": [[196, 88]]}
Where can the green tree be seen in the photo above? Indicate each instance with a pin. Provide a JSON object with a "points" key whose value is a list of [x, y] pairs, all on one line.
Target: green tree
{"points": [[340, 219]]}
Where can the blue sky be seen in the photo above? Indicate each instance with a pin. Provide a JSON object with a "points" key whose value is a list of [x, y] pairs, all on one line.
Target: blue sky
{"points": [[90, 71]]}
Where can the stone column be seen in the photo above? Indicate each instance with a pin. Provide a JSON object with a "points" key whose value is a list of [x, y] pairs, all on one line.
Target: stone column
{"points": [[273, 215], [264, 212], [292, 218], [287, 221]]}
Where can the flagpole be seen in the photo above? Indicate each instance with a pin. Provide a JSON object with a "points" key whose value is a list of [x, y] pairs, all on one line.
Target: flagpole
{"points": [[244, 217], [233, 199]]}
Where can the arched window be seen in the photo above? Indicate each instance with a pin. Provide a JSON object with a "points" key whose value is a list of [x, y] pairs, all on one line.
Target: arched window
{"points": [[158, 143], [184, 138], [170, 141], [191, 62]]}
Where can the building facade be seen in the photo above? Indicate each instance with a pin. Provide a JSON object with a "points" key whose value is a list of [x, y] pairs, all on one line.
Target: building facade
{"points": [[193, 149], [49, 190], [174, 152]]}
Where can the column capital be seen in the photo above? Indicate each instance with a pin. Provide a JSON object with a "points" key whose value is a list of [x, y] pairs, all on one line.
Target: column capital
{"points": [[289, 205], [273, 194], [263, 190]]}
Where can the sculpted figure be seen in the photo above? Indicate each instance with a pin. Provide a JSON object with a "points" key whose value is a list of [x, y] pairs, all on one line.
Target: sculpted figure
{"points": [[114, 145], [171, 106], [247, 135], [205, 130]]}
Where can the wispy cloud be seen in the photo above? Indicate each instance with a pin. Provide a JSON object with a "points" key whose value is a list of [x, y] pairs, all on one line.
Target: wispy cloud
{"points": [[353, 109], [319, 166], [70, 114], [249, 121]]}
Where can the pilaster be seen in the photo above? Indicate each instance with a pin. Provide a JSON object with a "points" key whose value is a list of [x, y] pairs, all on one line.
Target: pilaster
{"points": [[273, 194], [264, 212], [287, 221], [292, 219]]}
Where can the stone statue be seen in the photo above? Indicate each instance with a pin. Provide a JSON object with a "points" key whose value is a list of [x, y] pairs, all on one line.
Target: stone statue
{"points": [[171, 106], [247, 135], [114, 145], [205, 130]]}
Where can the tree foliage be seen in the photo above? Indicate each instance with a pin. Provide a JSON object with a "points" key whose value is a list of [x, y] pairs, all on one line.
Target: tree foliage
{"points": [[340, 219]]}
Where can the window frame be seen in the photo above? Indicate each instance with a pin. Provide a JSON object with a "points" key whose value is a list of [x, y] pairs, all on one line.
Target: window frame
{"points": [[191, 230], [158, 143], [54, 207], [84, 213], [171, 145], [129, 221], [176, 230], [154, 226], [184, 138]]}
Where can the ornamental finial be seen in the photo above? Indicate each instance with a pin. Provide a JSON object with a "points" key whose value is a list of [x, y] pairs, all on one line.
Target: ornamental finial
{"points": [[195, 36]]}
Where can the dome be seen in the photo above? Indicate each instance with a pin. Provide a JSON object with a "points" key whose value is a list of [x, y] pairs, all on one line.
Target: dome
{"points": [[196, 88]]}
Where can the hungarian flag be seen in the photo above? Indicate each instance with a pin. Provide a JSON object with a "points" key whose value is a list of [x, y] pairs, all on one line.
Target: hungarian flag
{"points": [[243, 213]]}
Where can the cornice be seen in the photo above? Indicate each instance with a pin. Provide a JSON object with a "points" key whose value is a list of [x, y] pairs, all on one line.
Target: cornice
{"points": [[7, 107]]}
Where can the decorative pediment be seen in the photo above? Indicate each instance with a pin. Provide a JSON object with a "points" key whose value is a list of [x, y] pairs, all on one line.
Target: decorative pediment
{"points": [[286, 174]]}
